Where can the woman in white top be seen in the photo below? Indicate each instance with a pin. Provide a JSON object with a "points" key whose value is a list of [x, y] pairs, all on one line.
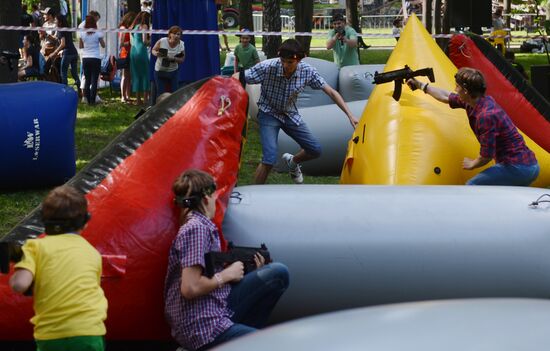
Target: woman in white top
{"points": [[170, 52], [91, 58]]}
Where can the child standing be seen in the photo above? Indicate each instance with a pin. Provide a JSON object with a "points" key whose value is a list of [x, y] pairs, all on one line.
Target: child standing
{"points": [[246, 55], [64, 272], [203, 312]]}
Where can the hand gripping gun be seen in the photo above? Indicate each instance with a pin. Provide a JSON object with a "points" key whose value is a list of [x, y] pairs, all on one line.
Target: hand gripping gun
{"points": [[401, 76], [214, 259]]}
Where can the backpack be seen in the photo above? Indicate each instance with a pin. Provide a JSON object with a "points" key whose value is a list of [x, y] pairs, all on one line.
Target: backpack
{"points": [[108, 68]]}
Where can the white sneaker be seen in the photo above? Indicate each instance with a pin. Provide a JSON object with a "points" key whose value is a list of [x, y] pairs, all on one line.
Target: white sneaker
{"points": [[84, 100], [295, 172], [97, 99]]}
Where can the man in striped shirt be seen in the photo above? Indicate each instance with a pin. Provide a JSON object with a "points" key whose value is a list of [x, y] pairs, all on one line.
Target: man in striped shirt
{"points": [[283, 79]]}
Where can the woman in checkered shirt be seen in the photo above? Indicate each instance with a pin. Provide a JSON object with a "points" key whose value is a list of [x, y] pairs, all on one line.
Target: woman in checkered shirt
{"points": [[203, 312]]}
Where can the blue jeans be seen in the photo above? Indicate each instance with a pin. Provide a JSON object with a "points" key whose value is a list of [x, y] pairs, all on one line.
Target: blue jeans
{"points": [[252, 300], [506, 174], [71, 60], [269, 134], [91, 68], [162, 78]]}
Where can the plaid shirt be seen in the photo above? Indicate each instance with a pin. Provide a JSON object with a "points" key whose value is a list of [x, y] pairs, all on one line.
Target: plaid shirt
{"points": [[195, 322], [495, 131], [279, 94]]}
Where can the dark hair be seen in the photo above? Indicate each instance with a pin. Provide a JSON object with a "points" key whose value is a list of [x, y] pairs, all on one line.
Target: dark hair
{"points": [[291, 49], [337, 17], [396, 21], [141, 18], [472, 80], [127, 19], [33, 39], [190, 188], [90, 23], [94, 13], [61, 21], [66, 208]]}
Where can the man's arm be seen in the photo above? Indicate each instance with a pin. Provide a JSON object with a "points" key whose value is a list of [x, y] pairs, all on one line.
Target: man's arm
{"points": [[21, 280], [337, 98], [332, 41], [439, 94]]}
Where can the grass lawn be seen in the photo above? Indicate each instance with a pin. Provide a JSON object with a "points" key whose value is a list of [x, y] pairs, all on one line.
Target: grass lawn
{"points": [[97, 126]]}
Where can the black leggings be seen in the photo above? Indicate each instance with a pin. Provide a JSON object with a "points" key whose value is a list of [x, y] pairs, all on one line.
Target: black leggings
{"points": [[91, 68]]}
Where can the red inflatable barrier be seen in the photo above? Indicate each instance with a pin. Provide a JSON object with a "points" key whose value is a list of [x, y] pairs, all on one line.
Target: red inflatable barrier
{"points": [[134, 219], [525, 106]]}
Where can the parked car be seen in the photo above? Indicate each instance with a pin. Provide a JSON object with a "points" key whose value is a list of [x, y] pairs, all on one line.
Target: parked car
{"points": [[231, 16]]}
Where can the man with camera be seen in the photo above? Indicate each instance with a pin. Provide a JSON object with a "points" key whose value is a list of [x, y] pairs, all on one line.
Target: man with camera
{"points": [[342, 39]]}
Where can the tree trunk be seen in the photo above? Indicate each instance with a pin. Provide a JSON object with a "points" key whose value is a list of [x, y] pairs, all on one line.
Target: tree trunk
{"points": [[303, 13], [10, 15], [271, 23], [437, 16], [245, 17], [508, 11], [53, 4], [427, 9], [446, 25], [134, 6]]}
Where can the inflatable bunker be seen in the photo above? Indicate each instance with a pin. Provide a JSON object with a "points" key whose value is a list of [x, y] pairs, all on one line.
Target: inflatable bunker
{"points": [[529, 110], [134, 220], [451, 325], [37, 121], [350, 246], [417, 140]]}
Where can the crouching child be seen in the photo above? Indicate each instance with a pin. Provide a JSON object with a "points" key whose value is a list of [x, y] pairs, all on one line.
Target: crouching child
{"points": [[64, 271]]}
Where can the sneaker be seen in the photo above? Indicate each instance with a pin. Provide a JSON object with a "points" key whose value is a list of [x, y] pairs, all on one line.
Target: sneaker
{"points": [[295, 172]]}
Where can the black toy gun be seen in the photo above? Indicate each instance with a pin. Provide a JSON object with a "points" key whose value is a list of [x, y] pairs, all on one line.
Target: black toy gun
{"points": [[401, 76], [233, 254], [9, 56]]}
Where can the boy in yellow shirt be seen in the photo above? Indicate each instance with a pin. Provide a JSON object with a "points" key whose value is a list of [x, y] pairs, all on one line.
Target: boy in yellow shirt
{"points": [[64, 272]]}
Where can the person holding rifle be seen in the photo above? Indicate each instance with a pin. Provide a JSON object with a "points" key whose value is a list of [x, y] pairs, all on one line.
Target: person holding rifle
{"points": [[342, 39], [499, 139], [205, 311]]}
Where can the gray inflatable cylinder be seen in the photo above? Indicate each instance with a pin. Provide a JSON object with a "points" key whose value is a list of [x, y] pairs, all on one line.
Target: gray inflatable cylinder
{"points": [[350, 246], [452, 325], [312, 97], [332, 127], [356, 82]]}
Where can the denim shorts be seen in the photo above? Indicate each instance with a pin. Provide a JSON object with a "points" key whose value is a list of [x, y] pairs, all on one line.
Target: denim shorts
{"points": [[506, 174], [269, 135]]}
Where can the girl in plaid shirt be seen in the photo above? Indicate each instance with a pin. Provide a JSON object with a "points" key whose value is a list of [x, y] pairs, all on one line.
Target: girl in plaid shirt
{"points": [[203, 312], [499, 139]]}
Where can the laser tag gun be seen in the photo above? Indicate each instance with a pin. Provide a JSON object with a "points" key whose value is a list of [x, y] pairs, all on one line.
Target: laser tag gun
{"points": [[9, 56], [401, 76], [233, 254]]}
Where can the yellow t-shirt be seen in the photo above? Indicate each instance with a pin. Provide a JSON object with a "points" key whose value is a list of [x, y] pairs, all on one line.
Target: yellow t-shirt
{"points": [[68, 299]]}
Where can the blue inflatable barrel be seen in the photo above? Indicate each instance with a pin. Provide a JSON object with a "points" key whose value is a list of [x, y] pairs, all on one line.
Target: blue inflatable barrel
{"points": [[37, 121]]}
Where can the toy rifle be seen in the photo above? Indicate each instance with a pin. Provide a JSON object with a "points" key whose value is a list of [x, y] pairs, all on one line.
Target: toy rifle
{"points": [[401, 76], [214, 259]]}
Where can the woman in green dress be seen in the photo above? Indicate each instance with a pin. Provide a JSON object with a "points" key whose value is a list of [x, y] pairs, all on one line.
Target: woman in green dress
{"points": [[139, 58]]}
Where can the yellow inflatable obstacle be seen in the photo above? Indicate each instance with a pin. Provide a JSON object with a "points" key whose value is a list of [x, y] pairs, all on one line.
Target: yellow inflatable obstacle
{"points": [[417, 140]]}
